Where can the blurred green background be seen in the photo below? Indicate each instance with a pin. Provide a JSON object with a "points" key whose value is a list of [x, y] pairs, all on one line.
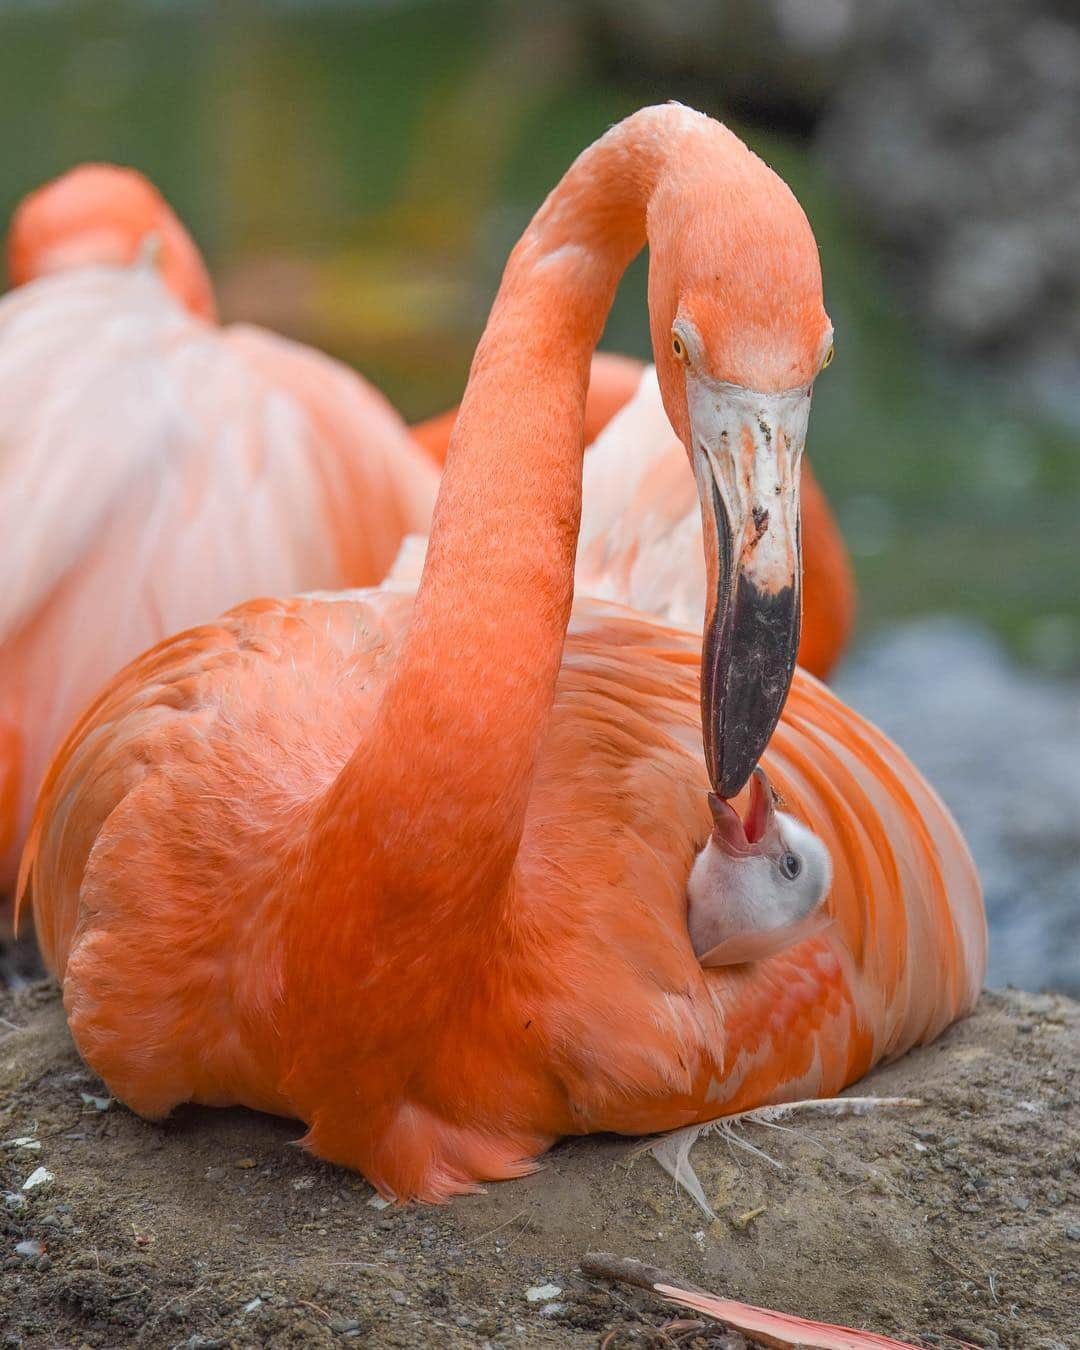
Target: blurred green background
{"points": [[356, 174]]}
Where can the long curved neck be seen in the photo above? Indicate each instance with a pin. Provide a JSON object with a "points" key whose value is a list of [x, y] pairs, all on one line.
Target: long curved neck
{"points": [[464, 711]]}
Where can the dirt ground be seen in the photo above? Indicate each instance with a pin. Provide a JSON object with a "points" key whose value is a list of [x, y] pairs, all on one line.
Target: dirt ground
{"points": [[959, 1219]]}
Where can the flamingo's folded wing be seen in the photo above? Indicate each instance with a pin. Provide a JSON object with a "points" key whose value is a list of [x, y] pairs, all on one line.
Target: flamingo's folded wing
{"points": [[151, 476], [133, 442], [378, 484]]}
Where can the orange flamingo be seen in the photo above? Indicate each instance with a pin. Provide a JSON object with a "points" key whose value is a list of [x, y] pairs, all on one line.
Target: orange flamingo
{"points": [[413, 868], [155, 468], [640, 539]]}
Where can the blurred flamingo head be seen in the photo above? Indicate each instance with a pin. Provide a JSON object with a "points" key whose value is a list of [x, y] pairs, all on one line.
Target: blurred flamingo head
{"points": [[104, 215]]}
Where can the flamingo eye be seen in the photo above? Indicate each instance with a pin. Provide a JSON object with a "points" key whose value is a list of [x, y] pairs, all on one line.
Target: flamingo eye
{"points": [[829, 356], [678, 346], [790, 866]]}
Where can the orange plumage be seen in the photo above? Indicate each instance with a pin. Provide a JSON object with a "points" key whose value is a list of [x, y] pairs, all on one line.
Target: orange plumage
{"points": [[413, 868], [155, 468]]}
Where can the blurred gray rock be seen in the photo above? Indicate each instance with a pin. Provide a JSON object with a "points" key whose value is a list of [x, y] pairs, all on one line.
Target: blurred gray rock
{"points": [[1002, 746], [955, 132]]}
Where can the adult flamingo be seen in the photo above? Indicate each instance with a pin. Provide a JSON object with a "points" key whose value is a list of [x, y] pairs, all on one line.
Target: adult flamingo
{"points": [[414, 869], [155, 468], [640, 539]]}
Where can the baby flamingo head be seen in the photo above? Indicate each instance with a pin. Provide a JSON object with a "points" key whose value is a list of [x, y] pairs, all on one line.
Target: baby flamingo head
{"points": [[100, 214], [758, 884]]}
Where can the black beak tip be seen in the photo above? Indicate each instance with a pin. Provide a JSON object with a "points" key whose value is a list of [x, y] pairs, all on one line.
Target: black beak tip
{"points": [[747, 671], [735, 773]]}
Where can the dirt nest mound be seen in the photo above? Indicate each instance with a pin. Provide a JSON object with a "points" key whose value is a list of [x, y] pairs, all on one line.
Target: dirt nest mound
{"points": [[955, 1220]]}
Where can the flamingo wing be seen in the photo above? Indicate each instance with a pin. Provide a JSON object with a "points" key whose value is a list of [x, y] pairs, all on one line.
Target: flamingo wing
{"points": [[617, 814], [155, 470], [132, 432], [378, 486], [175, 810]]}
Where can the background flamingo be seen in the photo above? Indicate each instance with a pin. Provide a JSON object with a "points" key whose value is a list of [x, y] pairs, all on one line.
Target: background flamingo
{"points": [[640, 540], [155, 468], [416, 872]]}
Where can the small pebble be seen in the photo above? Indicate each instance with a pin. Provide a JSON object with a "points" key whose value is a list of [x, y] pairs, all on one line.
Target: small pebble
{"points": [[26, 1142], [40, 1176], [30, 1247], [542, 1293], [1072, 1232]]}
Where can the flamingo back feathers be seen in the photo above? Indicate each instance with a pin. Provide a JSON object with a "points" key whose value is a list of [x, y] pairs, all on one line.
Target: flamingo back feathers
{"points": [[154, 470]]}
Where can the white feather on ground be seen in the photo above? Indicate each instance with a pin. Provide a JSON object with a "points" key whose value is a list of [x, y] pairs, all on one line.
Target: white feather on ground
{"points": [[672, 1151]]}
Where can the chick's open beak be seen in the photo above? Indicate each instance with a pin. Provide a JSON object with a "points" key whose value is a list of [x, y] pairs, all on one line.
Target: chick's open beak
{"points": [[747, 448]]}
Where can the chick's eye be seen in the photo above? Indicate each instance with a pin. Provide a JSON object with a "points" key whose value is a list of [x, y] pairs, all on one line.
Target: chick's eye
{"points": [[829, 356], [790, 866]]}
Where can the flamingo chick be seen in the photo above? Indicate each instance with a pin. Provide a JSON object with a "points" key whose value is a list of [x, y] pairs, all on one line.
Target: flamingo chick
{"points": [[412, 867], [156, 468], [758, 884]]}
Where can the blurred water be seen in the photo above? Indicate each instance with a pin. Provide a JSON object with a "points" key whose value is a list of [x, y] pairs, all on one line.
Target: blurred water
{"points": [[1002, 746]]}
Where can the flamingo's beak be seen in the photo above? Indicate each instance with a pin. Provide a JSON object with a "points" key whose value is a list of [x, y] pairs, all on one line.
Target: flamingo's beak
{"points": [[747, 449]]}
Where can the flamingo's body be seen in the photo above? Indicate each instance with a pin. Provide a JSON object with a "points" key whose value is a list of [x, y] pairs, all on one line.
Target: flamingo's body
{"points": [[155, 468], [414, 869]]}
